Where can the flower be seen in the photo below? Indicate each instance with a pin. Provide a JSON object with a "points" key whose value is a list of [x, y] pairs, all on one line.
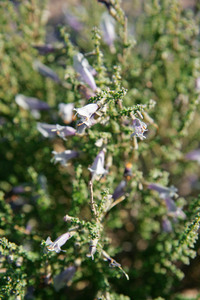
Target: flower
{"points": [[97, 168], [60, 280], [197, 84], [86, 72], [46, 49], [86, 114], [59, 242], [119, 191], [163, 191], [72, 21], [194, 155], [46, 71], [33, 104], [166, 194], [51, 131], [63, 157], [66, 112], [166, 225], [173, 210], [108, 28], [139, 128]]}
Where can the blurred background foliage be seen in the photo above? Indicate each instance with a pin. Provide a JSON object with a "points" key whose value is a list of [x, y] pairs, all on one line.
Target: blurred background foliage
{"points": [[154, 62]]}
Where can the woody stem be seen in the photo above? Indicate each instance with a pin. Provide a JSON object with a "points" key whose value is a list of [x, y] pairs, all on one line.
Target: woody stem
{"points": [[92, 204]]}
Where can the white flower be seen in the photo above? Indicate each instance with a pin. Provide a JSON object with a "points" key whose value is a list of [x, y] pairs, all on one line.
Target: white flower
{"points": [[86, 72], [86, 114], [59, 242], [63, 157], [97, 168]]}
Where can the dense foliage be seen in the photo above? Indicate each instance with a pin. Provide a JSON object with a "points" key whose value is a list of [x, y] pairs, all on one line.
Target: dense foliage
{"points": [[114, 180]]}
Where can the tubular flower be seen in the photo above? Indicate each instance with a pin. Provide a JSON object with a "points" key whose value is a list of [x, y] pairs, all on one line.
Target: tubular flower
{"points": [[108, 28], [139, 128], [86, 72], [63, 157], [59, 242], [86, 114], [46, 71], [194, 155], [51, 131], [97, 168], [72, 21], [167, 194], [46, 49], [120, 190], [163, 191], [31, 103], [166, 225]]}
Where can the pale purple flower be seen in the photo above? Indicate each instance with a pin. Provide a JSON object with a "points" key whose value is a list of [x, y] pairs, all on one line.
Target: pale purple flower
{"points": [[66, 112], [166, 194], [163, 191], [86, 72], [60, 280], [31, 103], [119, 191], [166, 225], [97, 168], [173, 210], [46, 71], [86, 113], [46, 49], [139, 128], [51, 131], [72, 20], [108, 28], [63, 157], [198, 84], [59, 242], [194, 155]]}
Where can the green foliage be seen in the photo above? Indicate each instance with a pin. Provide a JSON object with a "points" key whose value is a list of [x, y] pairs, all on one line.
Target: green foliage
{"points": [[150, 76]]}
